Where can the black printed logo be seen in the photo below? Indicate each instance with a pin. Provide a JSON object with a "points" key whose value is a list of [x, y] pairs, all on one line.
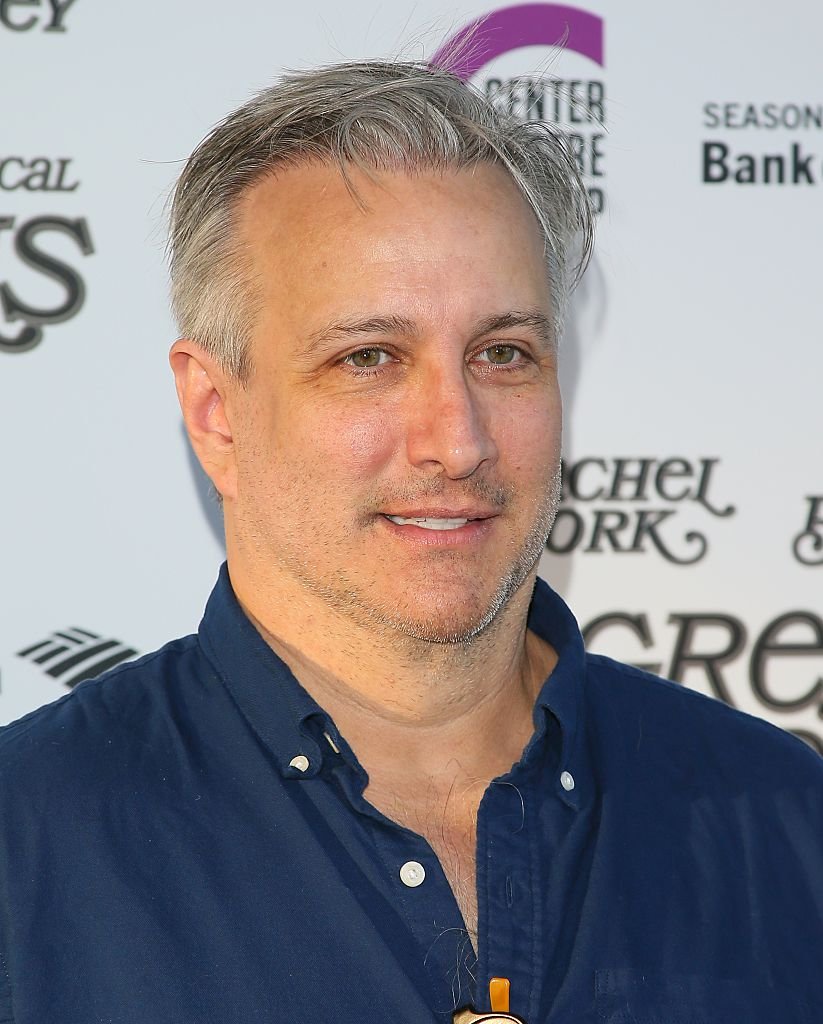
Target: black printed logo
{"points": [[638, 505], [37, 15], [808, 544], [72, 655], [30, 244]]}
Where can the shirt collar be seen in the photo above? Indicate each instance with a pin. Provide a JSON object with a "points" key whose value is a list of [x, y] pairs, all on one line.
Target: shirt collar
{"points": [[293, 726], [561, 697], [282, 713]]}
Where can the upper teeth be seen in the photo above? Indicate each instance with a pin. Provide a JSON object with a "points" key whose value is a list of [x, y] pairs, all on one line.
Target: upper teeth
{"points": [[429, 523]]}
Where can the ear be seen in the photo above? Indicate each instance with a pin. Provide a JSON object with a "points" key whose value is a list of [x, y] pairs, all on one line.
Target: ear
{"points": [[203, 388]]}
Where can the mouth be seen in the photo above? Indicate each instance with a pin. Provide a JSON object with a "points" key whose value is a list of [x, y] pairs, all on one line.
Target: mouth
{"points": [[430, 522], [449, 528]]}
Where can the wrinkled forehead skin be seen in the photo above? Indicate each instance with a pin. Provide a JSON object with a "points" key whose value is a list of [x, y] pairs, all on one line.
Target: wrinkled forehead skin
{"points": [[286, 223]]}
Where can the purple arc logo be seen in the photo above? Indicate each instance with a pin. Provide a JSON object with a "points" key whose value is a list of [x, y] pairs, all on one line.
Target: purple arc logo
{"points": [[484, 50], [512, 28]]}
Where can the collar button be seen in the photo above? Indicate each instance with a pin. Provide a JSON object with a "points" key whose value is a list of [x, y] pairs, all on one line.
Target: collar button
{"points": [[300, 762], [412, 874]]}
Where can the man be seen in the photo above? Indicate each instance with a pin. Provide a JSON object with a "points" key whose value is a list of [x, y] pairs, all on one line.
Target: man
{"points": [[385, 772]]}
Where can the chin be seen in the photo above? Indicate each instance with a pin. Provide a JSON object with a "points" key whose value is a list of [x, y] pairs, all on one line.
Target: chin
{"points": [[449, 618]]}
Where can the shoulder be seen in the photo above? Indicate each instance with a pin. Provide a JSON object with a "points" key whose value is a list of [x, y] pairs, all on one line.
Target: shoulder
{"points": [[100, 723], [677, 728]]}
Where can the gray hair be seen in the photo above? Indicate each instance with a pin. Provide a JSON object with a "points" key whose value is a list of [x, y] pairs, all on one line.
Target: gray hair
{"points": [[377, 116]]}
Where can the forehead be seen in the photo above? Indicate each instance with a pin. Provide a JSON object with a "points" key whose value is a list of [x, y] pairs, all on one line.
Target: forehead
{"points": [[292, 180], [321, 243]]}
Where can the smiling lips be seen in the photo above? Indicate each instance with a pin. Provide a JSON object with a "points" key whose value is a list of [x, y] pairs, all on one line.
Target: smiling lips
{"points": [[429, 522], [437, 520]]}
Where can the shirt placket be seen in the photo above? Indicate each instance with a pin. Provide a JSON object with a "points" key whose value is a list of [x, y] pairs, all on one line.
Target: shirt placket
{"points": [[507, 890], [417, 885]]}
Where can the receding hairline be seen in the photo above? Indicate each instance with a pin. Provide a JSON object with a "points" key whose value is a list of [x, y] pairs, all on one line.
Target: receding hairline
{"points": [[377, 176], [242, 212], [399, 116]]}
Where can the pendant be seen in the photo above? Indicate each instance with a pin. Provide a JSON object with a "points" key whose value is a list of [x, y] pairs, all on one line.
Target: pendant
{"points": [[499, 1000]]}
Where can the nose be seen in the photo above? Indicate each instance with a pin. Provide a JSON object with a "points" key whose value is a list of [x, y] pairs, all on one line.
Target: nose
{"points": [[448, 425]]}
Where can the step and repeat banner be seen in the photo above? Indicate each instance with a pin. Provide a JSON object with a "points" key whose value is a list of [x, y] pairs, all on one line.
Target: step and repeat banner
{"points": [[690, 537]]}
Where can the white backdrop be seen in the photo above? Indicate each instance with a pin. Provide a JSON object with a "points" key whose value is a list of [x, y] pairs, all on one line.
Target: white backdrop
{"points": [[691, 535]]}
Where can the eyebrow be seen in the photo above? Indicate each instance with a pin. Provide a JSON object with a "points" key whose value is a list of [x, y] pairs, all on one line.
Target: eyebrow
{"points": [[368, 325], [533, 319], [542, 325]]}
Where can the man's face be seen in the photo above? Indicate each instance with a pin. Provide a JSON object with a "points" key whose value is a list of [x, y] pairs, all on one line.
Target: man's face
{"points": [[397, 445]]}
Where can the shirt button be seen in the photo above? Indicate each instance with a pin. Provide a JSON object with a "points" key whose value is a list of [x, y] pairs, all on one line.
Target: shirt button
{"points": [[412, 874], [301, 763], [567, 781]]}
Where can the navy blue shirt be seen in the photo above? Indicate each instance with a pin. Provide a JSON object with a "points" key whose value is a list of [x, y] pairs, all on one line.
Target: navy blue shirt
{"points": [[185, 841]]}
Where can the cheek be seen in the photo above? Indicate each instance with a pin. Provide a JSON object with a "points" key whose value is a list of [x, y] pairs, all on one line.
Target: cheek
{"points": [[351, 442], [530, 435]]}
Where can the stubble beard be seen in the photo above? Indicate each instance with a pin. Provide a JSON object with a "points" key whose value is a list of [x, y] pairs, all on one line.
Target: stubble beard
{"points": [[444, 624]]}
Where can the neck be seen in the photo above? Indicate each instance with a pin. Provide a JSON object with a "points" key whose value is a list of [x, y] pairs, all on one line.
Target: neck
{"points": [[410, 705]]}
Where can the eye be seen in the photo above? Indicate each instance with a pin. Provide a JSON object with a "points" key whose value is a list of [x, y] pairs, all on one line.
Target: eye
{"points": [[500, 355], [366, 358]]}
